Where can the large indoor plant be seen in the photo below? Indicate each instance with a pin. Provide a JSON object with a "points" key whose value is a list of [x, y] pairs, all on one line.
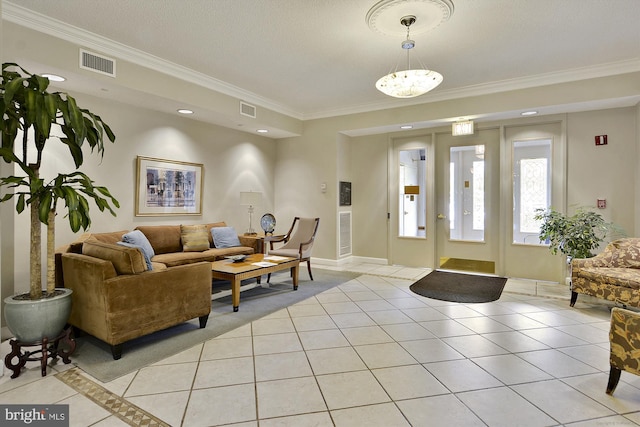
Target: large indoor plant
{"points": [[576, 235], [30, 116]]}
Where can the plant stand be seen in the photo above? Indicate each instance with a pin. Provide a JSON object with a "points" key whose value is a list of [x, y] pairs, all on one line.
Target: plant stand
{"points": [[48, 349]]}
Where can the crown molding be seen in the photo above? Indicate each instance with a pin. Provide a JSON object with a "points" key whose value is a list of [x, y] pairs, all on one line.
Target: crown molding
{"points": [[44, 24], [565, 76]]}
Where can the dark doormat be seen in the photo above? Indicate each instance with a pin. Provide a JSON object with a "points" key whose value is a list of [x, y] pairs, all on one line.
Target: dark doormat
{"points": [[457, 287]]}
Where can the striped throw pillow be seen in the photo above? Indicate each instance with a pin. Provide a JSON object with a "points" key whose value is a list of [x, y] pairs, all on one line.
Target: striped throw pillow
{"points": [[195, 238]]}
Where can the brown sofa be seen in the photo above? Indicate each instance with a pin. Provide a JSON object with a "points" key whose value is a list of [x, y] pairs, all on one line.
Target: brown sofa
{"points": [[613, 275], [117, 298]]}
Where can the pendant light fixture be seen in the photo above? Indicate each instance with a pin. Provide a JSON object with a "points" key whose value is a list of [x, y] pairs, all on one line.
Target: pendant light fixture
{"points": [[409, 83]]}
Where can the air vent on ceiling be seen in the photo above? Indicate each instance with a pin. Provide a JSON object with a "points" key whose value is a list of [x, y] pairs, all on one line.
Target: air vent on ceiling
{"points": [[97, 63], [247, 110], [344, 237]]}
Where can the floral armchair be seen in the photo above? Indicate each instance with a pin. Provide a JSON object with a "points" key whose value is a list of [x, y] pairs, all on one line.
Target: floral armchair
{"points": [[613, 275], [624, 338]]}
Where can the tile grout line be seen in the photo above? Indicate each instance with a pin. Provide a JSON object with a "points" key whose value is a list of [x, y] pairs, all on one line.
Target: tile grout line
{"points": [[116, 405]]}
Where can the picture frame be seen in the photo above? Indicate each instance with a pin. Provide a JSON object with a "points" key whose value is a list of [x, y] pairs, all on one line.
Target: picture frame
{"points": [[168, 187], [345, 193]]}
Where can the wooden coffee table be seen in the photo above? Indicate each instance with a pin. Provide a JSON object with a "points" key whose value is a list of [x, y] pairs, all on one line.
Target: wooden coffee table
{"points": [[236, 272]]}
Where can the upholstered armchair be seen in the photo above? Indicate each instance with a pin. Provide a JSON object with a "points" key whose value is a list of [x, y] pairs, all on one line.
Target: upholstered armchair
{"points": [[624, 338], [298, 242]]}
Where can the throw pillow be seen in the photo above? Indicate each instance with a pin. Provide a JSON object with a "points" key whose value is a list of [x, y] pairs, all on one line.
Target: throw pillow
{"points": [[136, 237], [124, 260], [225, 237], [195, 238], [146, 257]]}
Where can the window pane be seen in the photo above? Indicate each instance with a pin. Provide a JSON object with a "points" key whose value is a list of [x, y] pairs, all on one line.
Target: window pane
{"points": [[412, 200], [531, 187], [466, 193]]}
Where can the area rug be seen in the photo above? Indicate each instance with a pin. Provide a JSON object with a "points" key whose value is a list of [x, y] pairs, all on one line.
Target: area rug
{"points": [[458, 287], [94, 356]]}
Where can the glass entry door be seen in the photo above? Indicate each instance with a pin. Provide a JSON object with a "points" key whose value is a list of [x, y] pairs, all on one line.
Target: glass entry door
{"points": [[467, 201], [410, 202]]}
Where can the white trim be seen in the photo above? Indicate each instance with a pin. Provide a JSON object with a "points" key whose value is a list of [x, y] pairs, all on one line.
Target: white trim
{"points": [[348, 260], [44, 24]]}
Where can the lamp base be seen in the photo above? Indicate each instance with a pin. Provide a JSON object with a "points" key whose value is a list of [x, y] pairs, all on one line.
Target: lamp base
{"points": [[250, 233]]}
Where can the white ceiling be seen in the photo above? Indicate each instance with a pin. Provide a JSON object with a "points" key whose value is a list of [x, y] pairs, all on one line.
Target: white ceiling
{"points": [[318, 58]]}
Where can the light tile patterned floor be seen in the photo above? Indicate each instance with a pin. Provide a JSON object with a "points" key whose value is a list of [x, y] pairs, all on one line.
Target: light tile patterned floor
{"points": [[371, 353]]}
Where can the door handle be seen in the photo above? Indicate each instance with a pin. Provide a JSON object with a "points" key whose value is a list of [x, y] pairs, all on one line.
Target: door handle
{"points": [[441, 216]]}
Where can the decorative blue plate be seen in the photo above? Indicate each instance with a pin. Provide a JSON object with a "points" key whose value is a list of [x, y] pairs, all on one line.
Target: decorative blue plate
{"points": [[268, 223]]}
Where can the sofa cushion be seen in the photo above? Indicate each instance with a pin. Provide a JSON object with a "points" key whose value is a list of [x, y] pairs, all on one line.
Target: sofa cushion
{"points": [[110, 237], [144, 254], [136, 237], [626, 255], [625, 277], [125, 260], [225, 237], [195, 238], [163, 238]]}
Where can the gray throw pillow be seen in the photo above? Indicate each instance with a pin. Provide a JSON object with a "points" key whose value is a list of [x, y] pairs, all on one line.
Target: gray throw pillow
{"points": [[225, 237], [136, 237], [144, 254]]}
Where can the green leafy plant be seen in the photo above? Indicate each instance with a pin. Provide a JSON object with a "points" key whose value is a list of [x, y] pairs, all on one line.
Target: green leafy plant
{"points": [[29, 114], [574, 235]]}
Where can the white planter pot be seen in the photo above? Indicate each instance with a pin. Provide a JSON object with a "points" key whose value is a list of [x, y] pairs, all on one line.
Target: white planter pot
{"points": [[32, 320]]}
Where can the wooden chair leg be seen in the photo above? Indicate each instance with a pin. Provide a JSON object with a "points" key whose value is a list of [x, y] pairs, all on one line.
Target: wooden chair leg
{"points": [[614, 377], [268, 277], [309, 268]]}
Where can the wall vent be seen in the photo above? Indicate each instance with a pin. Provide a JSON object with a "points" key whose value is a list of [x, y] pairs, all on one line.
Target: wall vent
{"points": [[344, 239], [247, 110], [97, 63]]}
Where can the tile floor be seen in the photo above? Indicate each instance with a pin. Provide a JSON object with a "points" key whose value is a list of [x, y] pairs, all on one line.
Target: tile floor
{"points": [[371, 353]]}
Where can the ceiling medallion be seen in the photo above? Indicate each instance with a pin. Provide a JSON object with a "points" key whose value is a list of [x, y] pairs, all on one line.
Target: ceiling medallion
{"points": [[384, 16]]}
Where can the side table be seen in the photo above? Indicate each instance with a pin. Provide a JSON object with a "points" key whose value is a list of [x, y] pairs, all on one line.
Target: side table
{"points": [[262, 241], [48, 349]]}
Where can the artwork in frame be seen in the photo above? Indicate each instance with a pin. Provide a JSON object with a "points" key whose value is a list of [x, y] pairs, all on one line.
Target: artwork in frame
{"points": [[345, 193], [167, 187]]}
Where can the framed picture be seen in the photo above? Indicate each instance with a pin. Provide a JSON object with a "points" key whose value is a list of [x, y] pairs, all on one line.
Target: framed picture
{"points": [[167, 187], [345, 193]]}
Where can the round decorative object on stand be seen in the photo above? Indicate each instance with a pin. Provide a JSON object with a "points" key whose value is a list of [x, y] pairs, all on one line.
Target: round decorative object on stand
{"points": [[268, 223]]}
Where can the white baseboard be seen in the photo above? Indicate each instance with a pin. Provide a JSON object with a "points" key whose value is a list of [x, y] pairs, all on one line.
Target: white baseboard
{"points": [[348, 260]]}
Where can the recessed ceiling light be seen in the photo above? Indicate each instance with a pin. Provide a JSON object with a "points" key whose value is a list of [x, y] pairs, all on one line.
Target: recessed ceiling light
{"points": [[262, 131], [185, 111], [528, 113], [406, 127], [54, 77]]}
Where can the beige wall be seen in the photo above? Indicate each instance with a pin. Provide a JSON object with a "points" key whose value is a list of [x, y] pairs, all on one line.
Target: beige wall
{"points": [[290, 171], [233, 162], [607, 171], [370, 205], [593, 172]]}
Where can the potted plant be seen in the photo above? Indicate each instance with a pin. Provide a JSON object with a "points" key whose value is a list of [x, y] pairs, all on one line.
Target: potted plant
{"points": [[575, 235], [30, 114]]}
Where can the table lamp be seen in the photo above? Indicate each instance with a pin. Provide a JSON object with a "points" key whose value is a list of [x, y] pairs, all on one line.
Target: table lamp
{"points": [[251, 199]]}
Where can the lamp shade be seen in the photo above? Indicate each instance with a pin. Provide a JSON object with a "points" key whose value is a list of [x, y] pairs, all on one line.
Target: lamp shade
{"points": [[250, 198]]}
